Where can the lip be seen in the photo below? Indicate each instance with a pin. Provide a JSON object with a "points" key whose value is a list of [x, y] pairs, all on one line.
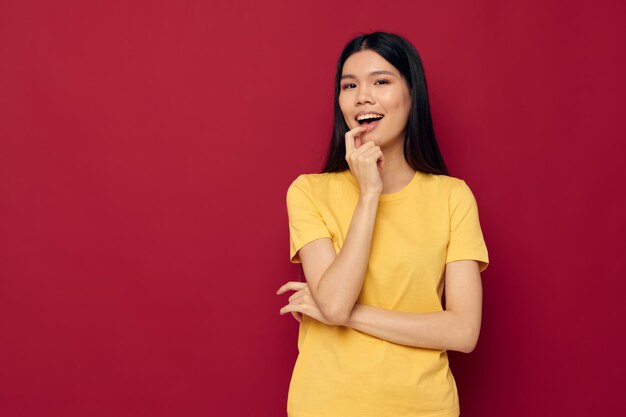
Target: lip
{"points": [[356, 116], [371, 126]]}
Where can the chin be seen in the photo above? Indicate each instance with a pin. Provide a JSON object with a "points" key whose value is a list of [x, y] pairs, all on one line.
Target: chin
{"points": [[373, 137]]}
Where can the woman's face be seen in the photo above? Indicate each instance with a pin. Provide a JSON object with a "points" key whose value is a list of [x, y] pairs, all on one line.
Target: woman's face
{"points": [[371, 85]]}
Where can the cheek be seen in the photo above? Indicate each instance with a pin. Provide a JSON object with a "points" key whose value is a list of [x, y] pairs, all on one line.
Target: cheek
{"points": [[406, 107], [401, 105], [342, 102], [396, 100]]}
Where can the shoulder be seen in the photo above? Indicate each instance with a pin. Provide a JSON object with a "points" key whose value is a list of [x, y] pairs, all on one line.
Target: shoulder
{"points": [[314, 189], [316, 182], [450, 191], [445, 184]]}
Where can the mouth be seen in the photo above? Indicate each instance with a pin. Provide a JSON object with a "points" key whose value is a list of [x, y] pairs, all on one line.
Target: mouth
{"points": [[369, 118]]}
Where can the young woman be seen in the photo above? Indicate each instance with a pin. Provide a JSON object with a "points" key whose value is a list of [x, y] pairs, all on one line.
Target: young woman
{"points": [[380, 234]]}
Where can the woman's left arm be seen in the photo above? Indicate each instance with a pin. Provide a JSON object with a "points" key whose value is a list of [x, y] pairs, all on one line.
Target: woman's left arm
{"points": [[456, 328]]}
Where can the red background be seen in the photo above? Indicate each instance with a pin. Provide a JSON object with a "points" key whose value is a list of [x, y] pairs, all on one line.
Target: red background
{"points": [[146, 148]]}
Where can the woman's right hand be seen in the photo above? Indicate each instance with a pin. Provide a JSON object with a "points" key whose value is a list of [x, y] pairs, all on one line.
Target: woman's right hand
{"points": [[365, 161]]}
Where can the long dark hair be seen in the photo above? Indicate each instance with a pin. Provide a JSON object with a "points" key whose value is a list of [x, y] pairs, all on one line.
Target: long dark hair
{"points": [[420, 145]]}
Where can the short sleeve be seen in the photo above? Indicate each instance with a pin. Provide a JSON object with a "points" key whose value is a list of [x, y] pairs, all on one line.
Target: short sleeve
{"points": [[466, 237], [305, 221]]}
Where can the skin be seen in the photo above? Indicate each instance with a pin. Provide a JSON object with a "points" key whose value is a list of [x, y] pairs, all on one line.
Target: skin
{"points": [[363, 88], [376, 159]]}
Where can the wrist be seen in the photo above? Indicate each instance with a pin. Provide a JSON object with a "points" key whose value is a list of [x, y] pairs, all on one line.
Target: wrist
{"points": [[369, 196]]}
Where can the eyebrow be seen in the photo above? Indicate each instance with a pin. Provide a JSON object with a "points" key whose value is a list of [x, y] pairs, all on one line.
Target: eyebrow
{"points": [[380, 72]]}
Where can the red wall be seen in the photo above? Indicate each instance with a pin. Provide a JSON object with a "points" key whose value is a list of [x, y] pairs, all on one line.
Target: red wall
{"points": [[146, 148]]}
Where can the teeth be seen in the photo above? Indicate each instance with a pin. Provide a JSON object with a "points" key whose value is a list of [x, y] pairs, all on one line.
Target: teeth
{"points": [[369, 116]]}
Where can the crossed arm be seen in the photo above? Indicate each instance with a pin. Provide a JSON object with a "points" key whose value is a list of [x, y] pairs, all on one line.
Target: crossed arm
{"points": [[334, 282], [456, 328]]}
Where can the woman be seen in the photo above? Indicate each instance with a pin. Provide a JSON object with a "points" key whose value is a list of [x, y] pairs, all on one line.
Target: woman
{"points": [[380, 234]]}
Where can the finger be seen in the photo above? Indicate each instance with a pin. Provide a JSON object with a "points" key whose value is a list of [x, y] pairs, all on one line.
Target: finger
{"points": [[296, 295], [373, 154], [368, 148], [370, 157], [358, 136], [301, 308], [362, 149], [297, 316], [291, 285], [305, 299], [350, 138]]}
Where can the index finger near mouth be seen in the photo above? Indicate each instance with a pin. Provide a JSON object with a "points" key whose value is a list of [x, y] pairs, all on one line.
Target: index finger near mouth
{"points": [[349, 136]]}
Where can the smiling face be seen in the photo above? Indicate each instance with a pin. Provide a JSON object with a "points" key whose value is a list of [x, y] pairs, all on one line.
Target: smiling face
{"points": [[370, 85]]}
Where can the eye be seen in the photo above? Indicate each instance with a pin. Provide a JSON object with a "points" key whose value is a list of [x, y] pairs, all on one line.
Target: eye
{"points": [[382, 82], [347, 86]]}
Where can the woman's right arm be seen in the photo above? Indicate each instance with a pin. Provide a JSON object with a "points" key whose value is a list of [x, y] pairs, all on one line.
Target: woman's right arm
{"points": [[335, 280]]}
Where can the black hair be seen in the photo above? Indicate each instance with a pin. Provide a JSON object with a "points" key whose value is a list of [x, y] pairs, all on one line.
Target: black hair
{"points": [[420, 145]]}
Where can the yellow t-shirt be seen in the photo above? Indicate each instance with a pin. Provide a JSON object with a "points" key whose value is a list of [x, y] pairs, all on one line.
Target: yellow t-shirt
{"points": [[342, 372]]}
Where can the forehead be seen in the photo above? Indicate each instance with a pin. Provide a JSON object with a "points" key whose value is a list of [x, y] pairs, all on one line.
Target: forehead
{"points": [[363, 62]]}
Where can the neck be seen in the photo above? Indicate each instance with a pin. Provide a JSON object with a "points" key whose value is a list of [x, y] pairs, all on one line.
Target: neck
{"points": [[397, 173]]}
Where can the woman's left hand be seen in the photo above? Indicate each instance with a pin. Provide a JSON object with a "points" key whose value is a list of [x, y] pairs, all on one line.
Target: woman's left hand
{"points": [[301, 302]]}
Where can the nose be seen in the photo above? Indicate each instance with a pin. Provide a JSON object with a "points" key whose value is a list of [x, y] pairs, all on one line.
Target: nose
{"points": [[364, 96]]}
